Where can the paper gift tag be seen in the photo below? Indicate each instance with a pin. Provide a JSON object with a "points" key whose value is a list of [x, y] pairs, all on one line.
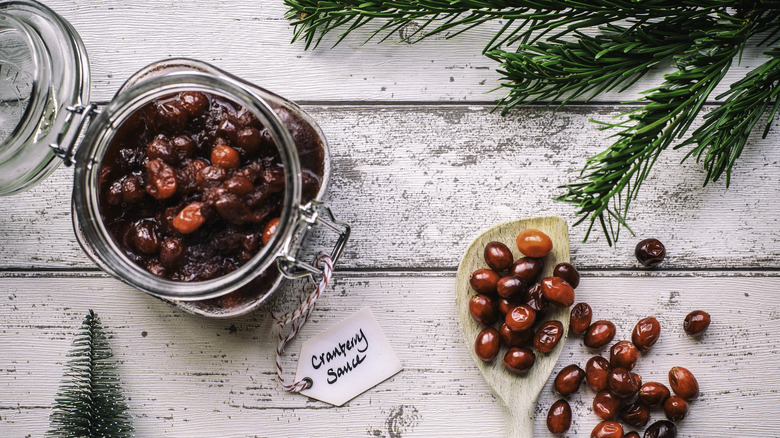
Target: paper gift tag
{"points": [[347, 359]]}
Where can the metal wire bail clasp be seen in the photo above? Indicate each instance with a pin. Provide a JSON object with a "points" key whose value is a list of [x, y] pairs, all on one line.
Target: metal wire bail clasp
{"points": [[313, 213], [66, 140]]}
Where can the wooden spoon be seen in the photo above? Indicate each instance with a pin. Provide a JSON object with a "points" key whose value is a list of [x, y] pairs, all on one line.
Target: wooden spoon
{"points": [[517, 394]]}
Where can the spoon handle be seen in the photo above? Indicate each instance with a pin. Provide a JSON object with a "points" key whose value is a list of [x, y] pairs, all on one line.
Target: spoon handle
{"points": [[520, 421]]}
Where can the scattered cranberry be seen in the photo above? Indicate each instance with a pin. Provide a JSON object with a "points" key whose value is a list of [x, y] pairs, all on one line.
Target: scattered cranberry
{"points": [[696, 322], [650, 252]]}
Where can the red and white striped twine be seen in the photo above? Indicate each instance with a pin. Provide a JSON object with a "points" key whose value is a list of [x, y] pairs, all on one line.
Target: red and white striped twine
{"points": [[298, 318]]}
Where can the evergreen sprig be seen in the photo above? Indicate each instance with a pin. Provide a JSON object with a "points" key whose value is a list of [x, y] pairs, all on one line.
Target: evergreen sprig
{"points": [[722, 137], [90, 403], [560, 50], [590, 65], [313, 19], [611, 179]]}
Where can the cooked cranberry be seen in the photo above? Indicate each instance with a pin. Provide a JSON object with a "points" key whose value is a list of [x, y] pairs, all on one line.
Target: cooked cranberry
{"points": [[225, 157], [607, 429], [558, 291], [606, 405], [696, 322], [114, 193], [650, 252], [519, 360], [511, 287], [170, 116], [599, 334], [132, 189], [646, 333], [527, 268], [653, 394], [483, 309], [239, 185], [569, 379], [145, 238], [484, 281], [547, 336], [162, 179], [683, 383], [270, 230], [534, 243], [249, 140], [487, 344], [512, 338], [506, 305], [189, 219], [596, 372], [228, 129], [171, 252], [635, 414], [498, 256], [162, 148], [184, 146], [675, 408], [520, 318], [580, 317], [559, 417], [535, 300], [622, 383], [623, 354], [231, 208], [661, 429], [568, 272], [194, 102]]}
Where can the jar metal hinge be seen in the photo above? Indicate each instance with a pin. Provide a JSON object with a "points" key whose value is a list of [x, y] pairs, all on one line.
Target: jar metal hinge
{"points": [[313, 213], [66, 140]]}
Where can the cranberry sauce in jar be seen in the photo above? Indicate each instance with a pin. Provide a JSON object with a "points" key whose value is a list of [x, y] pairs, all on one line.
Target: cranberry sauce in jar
{"points": [[192, 184]]}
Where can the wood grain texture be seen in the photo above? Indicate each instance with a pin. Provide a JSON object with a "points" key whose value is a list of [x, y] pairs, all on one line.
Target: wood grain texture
{"points": [[516, 394], [418, 178], [252, 39], [195, 377], [418, 183]]}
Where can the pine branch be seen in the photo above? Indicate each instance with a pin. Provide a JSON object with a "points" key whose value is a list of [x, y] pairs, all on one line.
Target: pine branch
{"points": [[313, 19], [591, 65], [611, 179], [722, 137], [556, 59], [90, 403]]}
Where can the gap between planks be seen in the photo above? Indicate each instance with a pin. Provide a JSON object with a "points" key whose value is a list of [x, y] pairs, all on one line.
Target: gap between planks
{"points": [[443, 272]]}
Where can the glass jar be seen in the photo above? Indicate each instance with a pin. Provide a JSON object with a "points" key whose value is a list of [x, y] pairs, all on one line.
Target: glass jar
{"points": [[299, 142]]}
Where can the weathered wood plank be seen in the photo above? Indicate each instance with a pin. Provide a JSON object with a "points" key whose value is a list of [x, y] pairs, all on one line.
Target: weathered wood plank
{"points": [[189, 376], [418, 183], [252, 40]]}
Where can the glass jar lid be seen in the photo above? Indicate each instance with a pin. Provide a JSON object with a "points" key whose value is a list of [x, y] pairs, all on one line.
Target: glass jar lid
{"points": [[44, 77]]}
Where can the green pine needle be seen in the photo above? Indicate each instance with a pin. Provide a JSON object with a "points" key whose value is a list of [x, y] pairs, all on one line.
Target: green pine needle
{"points": [[590, 65], [611, 179], [556, 57], [90, 403], [725, 132], [313, 19]]}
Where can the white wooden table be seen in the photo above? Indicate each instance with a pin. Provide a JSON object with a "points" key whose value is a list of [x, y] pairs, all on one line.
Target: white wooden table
{"points": [[420, 166]]}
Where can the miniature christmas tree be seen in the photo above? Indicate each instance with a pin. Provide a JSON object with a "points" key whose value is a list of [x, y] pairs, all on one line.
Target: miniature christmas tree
{"points": [[90, 403]]}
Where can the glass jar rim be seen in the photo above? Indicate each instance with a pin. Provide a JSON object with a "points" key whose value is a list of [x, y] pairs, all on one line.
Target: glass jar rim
{"points": [[90, 228]]}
